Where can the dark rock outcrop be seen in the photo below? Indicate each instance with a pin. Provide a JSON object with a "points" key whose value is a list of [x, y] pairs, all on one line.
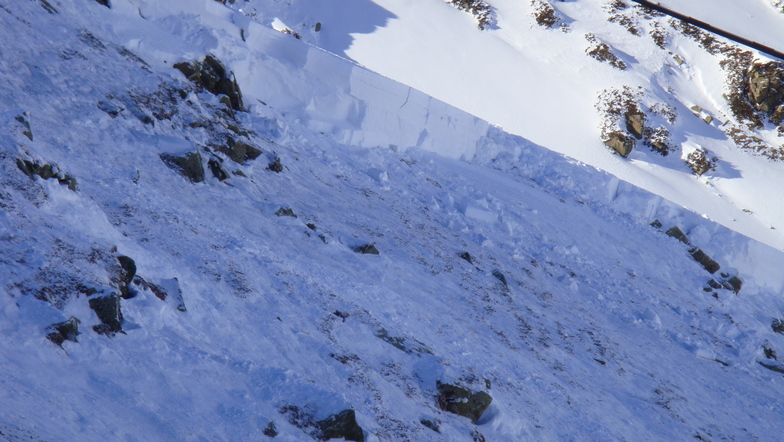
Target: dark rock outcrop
{"points": [[126, 273], [635, 124], [187, 164], [461, 401], [276, 166], [342, 425], [286, 211]]}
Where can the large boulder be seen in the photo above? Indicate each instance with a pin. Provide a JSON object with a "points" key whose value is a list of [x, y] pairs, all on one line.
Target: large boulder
{"points": [[635, 124], [766, 86], [461, 401]]}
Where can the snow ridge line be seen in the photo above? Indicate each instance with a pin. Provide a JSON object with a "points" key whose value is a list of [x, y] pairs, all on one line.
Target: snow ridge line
{"points": [[710, 28]]}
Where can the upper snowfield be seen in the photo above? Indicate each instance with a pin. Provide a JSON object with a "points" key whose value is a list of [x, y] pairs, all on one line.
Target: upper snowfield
{"points": [[503, 266]]}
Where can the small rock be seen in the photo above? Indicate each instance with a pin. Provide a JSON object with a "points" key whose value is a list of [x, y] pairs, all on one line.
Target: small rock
{"points": [[276, 166], [367, 249], [620, 143], [271, 430], [705, 261], [466, 256], [187, 164], [286, 211], [217, 170], [127, 272], [676, 233], [461, 401], [430, 424], [64, 331], [107, 308], [635, 124], [500, 276], [104, 2]]}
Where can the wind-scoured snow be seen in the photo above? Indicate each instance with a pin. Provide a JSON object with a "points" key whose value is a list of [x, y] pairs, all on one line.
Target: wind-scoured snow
{"points": [[578, 317]]}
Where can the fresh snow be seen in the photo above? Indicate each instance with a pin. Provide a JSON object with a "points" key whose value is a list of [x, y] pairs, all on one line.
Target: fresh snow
{"points": [[602, 329]]}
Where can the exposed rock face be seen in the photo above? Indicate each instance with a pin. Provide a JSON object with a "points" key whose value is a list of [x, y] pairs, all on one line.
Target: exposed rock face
{"points": [[213, 76], [239, 151], [342, 425], [463, 402], [187, 164], [620, 143], [766, 86]]}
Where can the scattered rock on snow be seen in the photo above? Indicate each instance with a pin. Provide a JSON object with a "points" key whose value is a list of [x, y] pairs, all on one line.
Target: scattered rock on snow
{"points": [[461, 401], [276, 166], [635, 124], [286, 211], [271, 430], [766, 86]]}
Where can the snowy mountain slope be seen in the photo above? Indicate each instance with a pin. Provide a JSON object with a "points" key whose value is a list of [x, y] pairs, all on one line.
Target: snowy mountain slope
{"points": [[576, 316], [524, 77]]}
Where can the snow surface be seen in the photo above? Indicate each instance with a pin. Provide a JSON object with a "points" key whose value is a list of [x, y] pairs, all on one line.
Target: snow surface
{"points": [[602, 330]]}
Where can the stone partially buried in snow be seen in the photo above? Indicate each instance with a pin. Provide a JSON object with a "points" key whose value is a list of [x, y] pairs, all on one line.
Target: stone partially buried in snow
{"points": [[705, 261], [461, 401]]}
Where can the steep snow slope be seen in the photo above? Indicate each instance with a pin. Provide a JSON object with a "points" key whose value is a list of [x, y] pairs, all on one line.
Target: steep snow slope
{"points": [[539, 83], [576, 316]]}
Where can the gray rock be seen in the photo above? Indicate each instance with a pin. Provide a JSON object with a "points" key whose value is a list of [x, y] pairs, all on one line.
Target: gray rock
{"points": [[217, 170], [461, 401], [213, 76]]}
